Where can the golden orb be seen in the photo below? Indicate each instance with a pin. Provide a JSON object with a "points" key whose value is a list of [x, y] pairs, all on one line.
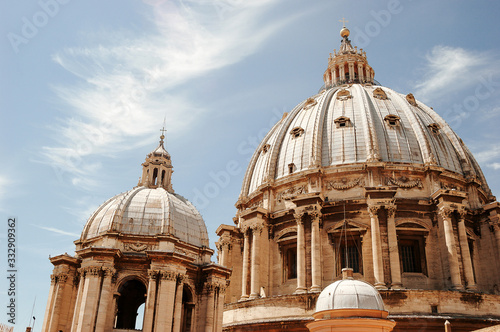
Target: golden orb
{"points": [[344, 32]]}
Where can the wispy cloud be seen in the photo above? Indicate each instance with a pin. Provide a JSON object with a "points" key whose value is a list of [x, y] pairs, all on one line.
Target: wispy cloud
{"points": [[126, 81], [57, 231], [451, 69]]}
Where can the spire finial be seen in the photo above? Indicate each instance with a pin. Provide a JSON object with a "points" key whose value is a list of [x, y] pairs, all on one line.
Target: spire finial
{"points": [[344, 32], [344, 21], [163, 130]]}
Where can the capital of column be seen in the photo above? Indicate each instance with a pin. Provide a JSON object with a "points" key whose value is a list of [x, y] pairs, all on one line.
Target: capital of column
{"points": [[91, 270], [391, 210], [168, 275], [153, 274], [299, 216], [462, 212], [53, 279], [445, 212], [373, 210], [108, 272], [315, 216]]}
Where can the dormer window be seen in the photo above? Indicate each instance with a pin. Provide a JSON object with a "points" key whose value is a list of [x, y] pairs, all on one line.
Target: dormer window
{"points": [[434, 127], [411, 100], [379, 94], [265, 148], [291, 168], [344, 95], [342, 121], [392, 120], [297, 132], [310, 102]]}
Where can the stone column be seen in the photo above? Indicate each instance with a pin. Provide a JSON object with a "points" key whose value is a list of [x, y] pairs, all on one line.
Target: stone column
{"points": [[378, 268], [449, 237], [315, 253], [220, 308], [178, 303], [342, 72], [165, 310], [464, 248], [60, 285], [244, 272], [351, 71], [78, 302], [360, 73], [106, 298], [334, 75], [393, 248], [224, 251], [149, 310], [50, 304], [90, 297], [301, 255], [254, 278], [209, 321]]}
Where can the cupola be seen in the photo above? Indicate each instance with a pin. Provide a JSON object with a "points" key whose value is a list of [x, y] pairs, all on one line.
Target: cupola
{"points": [[157, 169], [348, 65]]}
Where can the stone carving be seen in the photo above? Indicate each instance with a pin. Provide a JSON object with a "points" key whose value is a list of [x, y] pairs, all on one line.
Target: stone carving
{"points": [[404, 182], [345, 184], [344, 95], [310, 102], [391, 210], [379, 94], [291, 193], [137, 247], [411, 100], [168, 275], [373, 210], [255, 205], [450, 186]]}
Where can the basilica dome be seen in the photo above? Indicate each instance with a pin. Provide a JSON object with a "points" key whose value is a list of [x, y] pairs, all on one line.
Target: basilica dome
{"points": [[354, 120], [152, 208]]}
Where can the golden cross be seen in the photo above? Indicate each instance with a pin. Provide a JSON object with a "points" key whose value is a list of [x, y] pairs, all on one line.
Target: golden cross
{"points": [[163, 130], [343, 20]]}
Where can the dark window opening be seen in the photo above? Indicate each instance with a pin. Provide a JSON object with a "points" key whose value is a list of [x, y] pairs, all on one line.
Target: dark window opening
{"points": [[342, 124], [132, 296], [155, 176], [290, 260], [163, 177], [412, 255], [291, 168], [187, 310], [348, 254]]}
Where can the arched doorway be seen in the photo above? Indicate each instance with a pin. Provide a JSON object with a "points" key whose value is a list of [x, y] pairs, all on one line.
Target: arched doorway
{"points": [[132, 296], [187, 309]]}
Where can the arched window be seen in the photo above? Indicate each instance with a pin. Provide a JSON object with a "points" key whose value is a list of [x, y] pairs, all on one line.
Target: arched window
{"points": [[187, 309], [155, 176], [132, 296]]}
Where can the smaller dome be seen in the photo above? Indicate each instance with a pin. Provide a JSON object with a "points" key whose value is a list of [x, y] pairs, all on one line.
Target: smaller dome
{"points": [[349, 294], [148, 212]]}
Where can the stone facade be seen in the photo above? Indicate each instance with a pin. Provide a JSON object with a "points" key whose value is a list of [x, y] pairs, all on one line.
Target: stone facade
{"points": [[360, 176], [122, 262]]}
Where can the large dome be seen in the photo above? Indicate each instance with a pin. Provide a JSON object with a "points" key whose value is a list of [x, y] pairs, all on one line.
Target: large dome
{"points": [[148, 211], [358, 123]]}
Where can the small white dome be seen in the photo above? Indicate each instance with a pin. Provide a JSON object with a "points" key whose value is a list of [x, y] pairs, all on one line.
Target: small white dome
{"points": [[349, 294], [149, 212]]}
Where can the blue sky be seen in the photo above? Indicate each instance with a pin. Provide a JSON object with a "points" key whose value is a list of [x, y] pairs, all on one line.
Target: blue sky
{"points": [[86, 86]]}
